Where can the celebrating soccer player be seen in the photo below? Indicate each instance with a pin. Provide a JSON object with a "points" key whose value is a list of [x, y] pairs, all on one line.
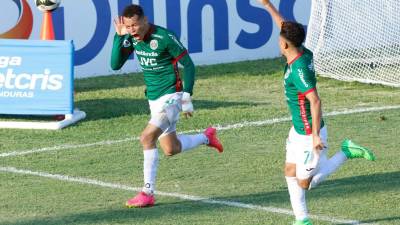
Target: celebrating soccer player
{"points": [[159, 52], [306, 147]]}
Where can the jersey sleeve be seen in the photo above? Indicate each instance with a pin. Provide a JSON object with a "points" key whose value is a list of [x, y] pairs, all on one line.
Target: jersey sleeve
{"points": [[303, 79], [180, 54], [188, 73], [122, 49]]}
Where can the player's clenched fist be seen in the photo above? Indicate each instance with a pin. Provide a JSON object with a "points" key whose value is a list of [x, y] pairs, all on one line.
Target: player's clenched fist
{"points": [[187, 106]]}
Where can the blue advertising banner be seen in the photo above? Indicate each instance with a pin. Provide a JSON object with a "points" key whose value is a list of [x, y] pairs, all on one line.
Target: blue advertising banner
{"points": [[36, 77]]}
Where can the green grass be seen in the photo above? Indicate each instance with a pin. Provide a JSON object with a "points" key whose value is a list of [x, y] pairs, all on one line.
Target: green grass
{"points": [[249, 171]]}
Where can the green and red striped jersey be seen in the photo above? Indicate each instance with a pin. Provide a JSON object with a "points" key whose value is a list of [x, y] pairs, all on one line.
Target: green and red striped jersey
{"points": [[158, 54], [300, 80]]}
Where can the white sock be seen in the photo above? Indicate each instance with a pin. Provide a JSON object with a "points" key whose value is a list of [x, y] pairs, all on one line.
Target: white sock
{"points": [[327, 167], [297, 198], [150, 164], [189, 142]]}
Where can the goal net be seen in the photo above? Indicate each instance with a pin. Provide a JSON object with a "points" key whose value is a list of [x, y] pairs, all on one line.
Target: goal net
{"points": [[356, 40]]}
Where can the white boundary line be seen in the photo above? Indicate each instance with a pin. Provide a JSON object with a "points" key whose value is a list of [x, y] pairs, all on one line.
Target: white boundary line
{"points": [[227, 127], [175, 195], [66, 146]]}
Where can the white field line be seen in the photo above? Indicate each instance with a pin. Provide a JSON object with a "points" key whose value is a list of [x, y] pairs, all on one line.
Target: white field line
{"points": [[175, 195], [66, 146], [219, 127]]}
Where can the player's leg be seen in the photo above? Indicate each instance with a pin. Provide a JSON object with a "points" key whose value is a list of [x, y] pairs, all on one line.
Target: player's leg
{"points": [[328, 166], [305, 171], [157, 125], [297, 194], [349, 150], [172, 144], [148, 140], [309, 161]]}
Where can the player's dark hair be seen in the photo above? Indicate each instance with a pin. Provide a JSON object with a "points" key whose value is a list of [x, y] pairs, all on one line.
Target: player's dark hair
{"points": [[293, 32], [133, 10]]}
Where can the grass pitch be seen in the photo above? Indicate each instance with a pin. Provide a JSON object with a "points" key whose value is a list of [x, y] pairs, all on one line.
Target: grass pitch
{"points": [[103, 148]]}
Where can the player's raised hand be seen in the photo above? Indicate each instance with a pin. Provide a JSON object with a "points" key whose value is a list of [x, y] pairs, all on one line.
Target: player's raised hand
{"points": [[264, 2], [120, 26]]}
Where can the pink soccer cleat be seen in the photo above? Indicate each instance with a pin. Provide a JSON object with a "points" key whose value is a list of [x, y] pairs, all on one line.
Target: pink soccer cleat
{"points": [[141, 200], [211, 134]]}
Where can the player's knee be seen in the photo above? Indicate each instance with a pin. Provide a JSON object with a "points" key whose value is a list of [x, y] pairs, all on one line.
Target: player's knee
{"points": [[147, 140], [290, 171], [304, 184], [170, 150], [143, 139]]}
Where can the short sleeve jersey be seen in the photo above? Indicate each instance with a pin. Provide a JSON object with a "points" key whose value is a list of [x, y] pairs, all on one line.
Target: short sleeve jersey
{"points": [[300, 80]]}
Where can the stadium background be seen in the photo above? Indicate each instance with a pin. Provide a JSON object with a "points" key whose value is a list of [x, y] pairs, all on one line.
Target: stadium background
{"points": [[83, 174], [215, 31]]}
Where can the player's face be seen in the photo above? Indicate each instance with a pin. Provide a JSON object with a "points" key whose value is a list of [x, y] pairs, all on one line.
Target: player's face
{"points": [[136, 26]]}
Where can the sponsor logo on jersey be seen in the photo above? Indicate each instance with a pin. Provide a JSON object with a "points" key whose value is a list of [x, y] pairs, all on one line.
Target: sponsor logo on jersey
{"points": [[154, 44], [301, 75], [148, 62], [143, 53]]}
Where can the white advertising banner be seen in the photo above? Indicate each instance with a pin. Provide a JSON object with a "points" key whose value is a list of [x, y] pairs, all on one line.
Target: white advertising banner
{"points": [[214, 31]]}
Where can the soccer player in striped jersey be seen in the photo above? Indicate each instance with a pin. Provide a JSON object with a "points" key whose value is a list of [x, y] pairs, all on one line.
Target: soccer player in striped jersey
{"points": [[159, 51], [306, 147]]}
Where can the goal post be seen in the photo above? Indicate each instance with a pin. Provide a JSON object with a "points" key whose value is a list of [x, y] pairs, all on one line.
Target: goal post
{"points": [[356, 40]]}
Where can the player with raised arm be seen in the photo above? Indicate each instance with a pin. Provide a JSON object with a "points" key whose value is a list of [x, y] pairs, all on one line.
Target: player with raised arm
{"points": [[306, 147], [159, 52]]}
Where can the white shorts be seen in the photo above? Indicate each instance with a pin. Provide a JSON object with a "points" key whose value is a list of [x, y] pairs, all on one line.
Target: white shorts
{"points": [[299, 150], [165, 112]]}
